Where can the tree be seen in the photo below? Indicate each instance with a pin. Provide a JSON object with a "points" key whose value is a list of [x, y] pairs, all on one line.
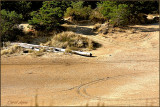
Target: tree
{"points": [[115, 12], [119, 16], [20, 7], [8, 21], [139, 9], [78, 11], [146, 7], [49, 16]]}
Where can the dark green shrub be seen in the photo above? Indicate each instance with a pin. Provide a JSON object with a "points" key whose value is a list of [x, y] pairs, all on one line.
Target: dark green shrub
{"points": [[97, 17], [20, 7], [116, 13], [8, 29], [49, 16]]}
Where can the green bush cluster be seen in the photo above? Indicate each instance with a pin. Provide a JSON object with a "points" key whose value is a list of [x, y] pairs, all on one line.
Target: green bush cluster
{"points": [[8, 28], [112, 11], [20, 7], [96, 16], [78, 12], [48, 17], [116, 13]]}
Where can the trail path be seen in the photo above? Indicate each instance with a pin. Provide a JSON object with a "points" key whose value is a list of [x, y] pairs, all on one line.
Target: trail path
{"points": [[124, 71]]}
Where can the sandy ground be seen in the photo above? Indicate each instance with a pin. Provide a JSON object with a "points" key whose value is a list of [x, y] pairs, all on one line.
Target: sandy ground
{"points": [[124, 71]]}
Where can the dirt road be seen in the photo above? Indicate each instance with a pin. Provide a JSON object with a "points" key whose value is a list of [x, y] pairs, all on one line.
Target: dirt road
{"points": [[124, 71]]}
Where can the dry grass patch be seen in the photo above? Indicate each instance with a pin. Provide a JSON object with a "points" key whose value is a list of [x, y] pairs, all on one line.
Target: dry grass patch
{"points": [[97, 26], [6, 44], [68, 50], [37, 53], [12, 50], [71, 40]]}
